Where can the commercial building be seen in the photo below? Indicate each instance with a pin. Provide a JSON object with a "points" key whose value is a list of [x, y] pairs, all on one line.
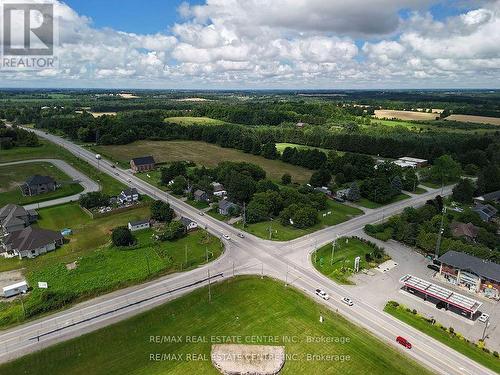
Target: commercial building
{"points": [[470, 273]]}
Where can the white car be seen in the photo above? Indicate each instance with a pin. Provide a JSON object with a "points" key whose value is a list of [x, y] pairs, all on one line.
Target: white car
{"points": [[484, 318], [347, 301], [226, 237], [322, 294]]}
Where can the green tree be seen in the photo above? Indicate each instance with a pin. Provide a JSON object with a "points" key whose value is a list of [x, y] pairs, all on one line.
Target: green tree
{"points": [[464, 191], [269, 151], [320, 178], [286, 179], [173, 231], [354, 193], [444, 170], [122, 236], [161, 211], [179, 185]]}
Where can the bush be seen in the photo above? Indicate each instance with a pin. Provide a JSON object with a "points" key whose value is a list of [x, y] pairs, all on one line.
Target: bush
{"points": [[122, 236], [495, 354], [94, 199]]}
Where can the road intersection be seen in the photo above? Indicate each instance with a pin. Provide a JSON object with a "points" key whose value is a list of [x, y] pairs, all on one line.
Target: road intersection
{"points": [[286, 261]]}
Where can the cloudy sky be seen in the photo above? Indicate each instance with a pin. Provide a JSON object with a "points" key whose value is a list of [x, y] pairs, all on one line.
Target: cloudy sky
{"points": [[331, 44]]}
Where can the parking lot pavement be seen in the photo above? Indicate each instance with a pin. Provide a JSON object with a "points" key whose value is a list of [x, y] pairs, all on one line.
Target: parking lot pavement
{"points": [[382, 287]]}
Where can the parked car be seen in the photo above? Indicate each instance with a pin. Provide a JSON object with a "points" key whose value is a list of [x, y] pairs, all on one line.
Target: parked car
{"points": [[240, 235], [347, 301], [484, 318], [436, 262], [322, 294], [226, 237], [433, 267], [403, 342], [441, 305]]}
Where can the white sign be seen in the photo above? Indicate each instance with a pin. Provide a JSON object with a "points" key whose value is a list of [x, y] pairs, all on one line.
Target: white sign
{"points": [[42, 285], [356, 263]]}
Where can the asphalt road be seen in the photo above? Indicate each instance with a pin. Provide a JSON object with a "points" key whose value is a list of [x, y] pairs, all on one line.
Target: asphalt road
{"points": [[88, 184], [286, 261]]}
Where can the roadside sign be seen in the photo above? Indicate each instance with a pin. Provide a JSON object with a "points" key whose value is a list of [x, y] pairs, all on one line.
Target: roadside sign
{"points": [[42, 285]]}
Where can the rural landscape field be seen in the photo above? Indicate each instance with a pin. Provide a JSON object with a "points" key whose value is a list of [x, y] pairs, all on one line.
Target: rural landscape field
{"points": [[249, 187]]}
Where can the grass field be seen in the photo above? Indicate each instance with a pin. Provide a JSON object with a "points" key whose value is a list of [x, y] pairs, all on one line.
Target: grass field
{"points": [[363, 202], [49, 150], [281, 146], [194, 120], [346, 249], [100, 266], [453, 341], [279, 232], [12, 176], [247, 308], [202, 153]]}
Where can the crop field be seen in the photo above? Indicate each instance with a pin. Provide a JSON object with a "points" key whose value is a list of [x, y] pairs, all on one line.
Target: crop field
{"points": [[246, 307], [279, 232], [474, 119], [202, 153], [100, 267], [404, 115], [194, 121], [11, 176]]}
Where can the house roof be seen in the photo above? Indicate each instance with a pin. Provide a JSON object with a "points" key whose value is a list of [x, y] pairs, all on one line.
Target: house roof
{"points": [[225, 204], [129, 192], [480, 267], [31, 238], [199, 193], [486, 209], [139, 222], [186, 221], [12, 209], [467, 230], [493, 196], [144, 160], [39, 180]]}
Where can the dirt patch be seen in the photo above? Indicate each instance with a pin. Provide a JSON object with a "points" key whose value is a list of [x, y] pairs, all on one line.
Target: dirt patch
{"points": [[233, 359], [404, 115], [10, 277], [475, 119], [71, 266]]}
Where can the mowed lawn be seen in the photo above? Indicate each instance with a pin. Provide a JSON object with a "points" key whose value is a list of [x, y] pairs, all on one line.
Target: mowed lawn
{"points": [[189, 120], [346, 250], [11, 176], [363, 202], [202, 153], [281, 147], [100, 267], [276, 231], [245, 307]]}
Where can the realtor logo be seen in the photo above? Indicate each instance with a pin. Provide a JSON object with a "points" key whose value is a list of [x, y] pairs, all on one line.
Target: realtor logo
{"points": [[28, 35]]}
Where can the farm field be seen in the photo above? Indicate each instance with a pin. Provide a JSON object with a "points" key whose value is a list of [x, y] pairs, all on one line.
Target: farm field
{"points": [[194, 120], [346, 249], [281, 146], [454, 342], [245, 307], [100, 267], [11, 176], [49, 150], [280, 232], [474, 119], [99, 114], [202, 153], [404, 115]]}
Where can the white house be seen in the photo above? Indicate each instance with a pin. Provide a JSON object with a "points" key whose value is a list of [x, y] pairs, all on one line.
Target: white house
{"points": [[15, 289], [219, 190], [189, 224], [138, 225], [128, 196], [31, 242]]}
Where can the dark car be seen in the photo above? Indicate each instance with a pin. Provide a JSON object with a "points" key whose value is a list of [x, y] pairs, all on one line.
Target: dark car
{"points": [[403, 342], [433, 267], [441, 305]]}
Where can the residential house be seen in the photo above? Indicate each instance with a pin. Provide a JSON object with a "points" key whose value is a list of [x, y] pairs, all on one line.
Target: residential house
{"points": [[342, 193], [129, 195], [471, 273], [324, 190], [139, 225], [142, 164], [37, 184], [486, 211], [188, 224], [201, 196], [227, 207], [489, 197], [31, 242], [469, 231], [219, 190], [14, 218]]}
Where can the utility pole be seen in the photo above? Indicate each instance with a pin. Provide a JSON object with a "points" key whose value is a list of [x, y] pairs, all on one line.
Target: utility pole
{"points": [[209, 290], [333, 252], [270, 231], [206, 253], [440, 234], [484, 330], [244, 215], [186, 253], [147, 262]]}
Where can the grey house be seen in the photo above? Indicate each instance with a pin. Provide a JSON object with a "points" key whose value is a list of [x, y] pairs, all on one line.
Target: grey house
{"points": [[486, 211], [37, 184], [227, 207], [14, 218], [201, 196], [31, 242]]}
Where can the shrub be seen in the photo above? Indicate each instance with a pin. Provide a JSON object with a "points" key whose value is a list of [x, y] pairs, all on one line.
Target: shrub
{"points": [[495, 354], [122, 236]]}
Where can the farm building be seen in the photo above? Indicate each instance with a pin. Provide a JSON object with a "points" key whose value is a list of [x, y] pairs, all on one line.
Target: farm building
{"points": [[37, 184], [471, 273], [142, 164]]}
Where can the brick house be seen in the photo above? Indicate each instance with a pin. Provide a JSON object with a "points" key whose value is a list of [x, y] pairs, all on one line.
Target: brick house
{"points": [[142, 164]]}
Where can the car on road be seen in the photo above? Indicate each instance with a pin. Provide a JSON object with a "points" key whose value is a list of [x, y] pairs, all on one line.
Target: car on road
{"points": [[129, 180], [403, 342], [433, 267], [322, 294], [441, 305], [226, 237], [201, 213], [240, 235], [347, 301], [117, 173], [113, 166], [484, 318]]}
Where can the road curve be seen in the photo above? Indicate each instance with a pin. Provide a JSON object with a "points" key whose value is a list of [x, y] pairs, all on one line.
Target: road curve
{"points": [[249, 255]]}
